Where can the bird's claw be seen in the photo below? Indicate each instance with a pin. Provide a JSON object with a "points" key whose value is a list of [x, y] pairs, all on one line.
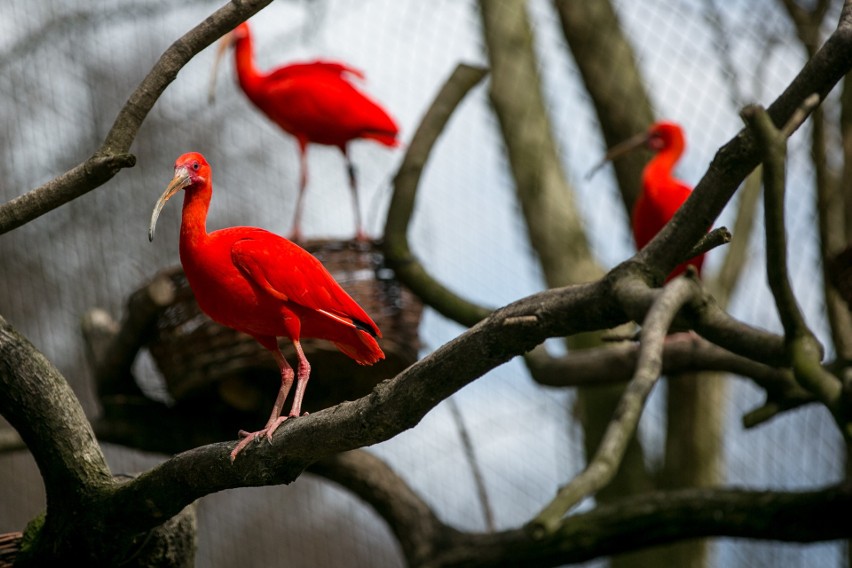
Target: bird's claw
{"points": [[266, 432], [247, 438]]}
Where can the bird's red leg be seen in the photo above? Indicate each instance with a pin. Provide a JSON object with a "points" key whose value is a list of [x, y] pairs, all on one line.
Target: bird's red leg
{"points": [[275, 418], [360, 235], [296, 233], [301, 380]]}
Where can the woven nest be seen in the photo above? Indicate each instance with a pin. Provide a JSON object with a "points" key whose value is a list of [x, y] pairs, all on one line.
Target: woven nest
{"points": [[198, 356], [10, 545]]}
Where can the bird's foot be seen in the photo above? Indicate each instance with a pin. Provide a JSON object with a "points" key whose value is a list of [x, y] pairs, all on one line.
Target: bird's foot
{"points": [[361, 236], [249, 437]]}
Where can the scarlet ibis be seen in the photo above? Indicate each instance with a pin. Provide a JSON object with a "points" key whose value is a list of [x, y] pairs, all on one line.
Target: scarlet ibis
{"points": [[315, 102], [662, 194], [265, 286]]}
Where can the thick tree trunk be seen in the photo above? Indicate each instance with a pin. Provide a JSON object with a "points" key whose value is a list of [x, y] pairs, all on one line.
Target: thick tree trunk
{"points": [[547, 201]]}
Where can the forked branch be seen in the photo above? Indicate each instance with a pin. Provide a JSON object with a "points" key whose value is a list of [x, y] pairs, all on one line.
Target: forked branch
{"points": [[621, 429]]}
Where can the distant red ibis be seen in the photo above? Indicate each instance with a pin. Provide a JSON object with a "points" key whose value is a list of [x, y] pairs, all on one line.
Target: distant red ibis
{"points": [[662, 194], [316, 103], [265, 286]]}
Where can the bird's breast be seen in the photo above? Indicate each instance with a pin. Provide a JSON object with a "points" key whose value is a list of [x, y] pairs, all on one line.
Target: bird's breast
{"points": [[224, 294]]}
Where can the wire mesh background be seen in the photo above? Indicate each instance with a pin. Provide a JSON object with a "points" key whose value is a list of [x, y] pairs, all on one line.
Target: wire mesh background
{"points": [[67, 67]]}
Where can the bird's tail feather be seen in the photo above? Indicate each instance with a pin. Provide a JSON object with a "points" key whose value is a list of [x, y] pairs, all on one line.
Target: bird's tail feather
{"points": [[386, 137], [364, 349]]}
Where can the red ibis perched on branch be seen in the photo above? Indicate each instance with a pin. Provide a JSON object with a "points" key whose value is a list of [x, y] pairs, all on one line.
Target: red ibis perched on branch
{"points": [[265, 286], [662, 194]]}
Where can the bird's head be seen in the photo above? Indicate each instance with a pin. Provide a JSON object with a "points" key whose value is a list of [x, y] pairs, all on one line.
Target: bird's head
{"points": [[658, 137], [241, 32], [191, 170], [664, 134]]}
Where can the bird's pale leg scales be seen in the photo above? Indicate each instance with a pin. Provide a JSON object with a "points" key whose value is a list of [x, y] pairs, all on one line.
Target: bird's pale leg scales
{"points": [[275, 418], [243, 443], [301, 380], [296, 233]]}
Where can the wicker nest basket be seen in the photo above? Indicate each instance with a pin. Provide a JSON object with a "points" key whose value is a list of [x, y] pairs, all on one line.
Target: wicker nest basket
{"points": [[10, 545], [198, 357]]}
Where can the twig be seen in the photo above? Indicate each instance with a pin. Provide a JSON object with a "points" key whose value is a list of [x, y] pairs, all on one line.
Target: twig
{"points": [[602, 468], [682, 353], [114, 153], [478, 478], [804, 351], [397, 251], [715, 238]]}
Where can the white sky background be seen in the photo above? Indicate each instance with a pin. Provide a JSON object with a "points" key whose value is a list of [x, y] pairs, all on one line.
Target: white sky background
{"points": [[467, 228]]}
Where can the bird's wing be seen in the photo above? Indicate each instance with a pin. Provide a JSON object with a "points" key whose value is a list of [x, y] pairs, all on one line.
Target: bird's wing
{"points": [[319, 66], [328, 110], [289, 273]]}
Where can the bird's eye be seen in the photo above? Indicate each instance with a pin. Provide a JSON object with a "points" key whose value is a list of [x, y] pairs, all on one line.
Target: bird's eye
{"points": [[195, 166]]}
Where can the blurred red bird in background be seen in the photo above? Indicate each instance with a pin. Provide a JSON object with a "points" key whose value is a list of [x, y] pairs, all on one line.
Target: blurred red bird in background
{"points": [[662, 194], [316, 103], [265, 286]]}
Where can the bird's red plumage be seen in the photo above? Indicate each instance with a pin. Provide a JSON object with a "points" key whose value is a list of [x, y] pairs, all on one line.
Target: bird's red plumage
{"points": [[317, 103], [264, 285], [662, 194]]}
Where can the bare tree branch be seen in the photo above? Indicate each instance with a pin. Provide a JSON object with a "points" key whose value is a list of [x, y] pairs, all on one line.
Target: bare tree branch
{"points": [[397, 251], [475, 469], [715, 238], [661, 518], [805, 352], [682, 353], [602, 468]]}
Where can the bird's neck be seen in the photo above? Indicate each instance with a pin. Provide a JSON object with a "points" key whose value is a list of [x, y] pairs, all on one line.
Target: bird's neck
{"points": [[661, 166], [193, 226], [247, 74]]}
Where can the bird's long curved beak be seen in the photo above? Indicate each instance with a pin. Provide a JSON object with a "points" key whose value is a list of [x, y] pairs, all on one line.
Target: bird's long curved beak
{"points": [[619, 150], [180, 181], [224, 43]]}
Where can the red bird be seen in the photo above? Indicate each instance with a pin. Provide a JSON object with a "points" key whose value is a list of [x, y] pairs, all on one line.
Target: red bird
{"points": [[662, 194], [264, 285], [316, 103]]}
